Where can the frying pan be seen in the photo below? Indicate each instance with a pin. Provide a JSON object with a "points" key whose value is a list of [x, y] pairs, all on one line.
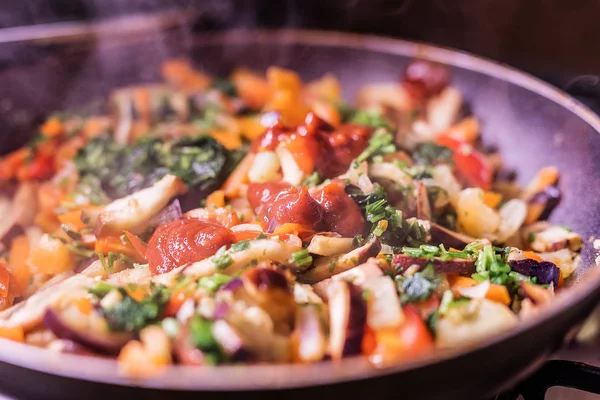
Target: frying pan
{"points": [[532, 123]]}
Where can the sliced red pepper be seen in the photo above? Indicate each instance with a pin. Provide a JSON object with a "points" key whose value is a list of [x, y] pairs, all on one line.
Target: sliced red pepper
{"points": [[470, 164]]}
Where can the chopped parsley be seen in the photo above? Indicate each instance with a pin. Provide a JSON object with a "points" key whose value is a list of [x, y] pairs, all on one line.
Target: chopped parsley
{"points": [[430, 153], [130, 315], [430, 251], [214, 282], [493, 267], [241, 246], [382, 142], [369, 118], [202, 337], [100, 289]]}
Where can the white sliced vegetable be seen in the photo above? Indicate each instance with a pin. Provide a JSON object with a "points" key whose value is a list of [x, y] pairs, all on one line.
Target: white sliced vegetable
{"points": [[512, 216], [475, 292], [442, 110], [473, 322], [292, 173], [347, 318], [265, 167], [257, 251], [442, 177], [247, 228], [357, 275], [304, 294], [474, 217], [390, 172], [311, 339], [564, 259], [325, 267], [132, 212], [383, 303], [380, 95], [329, 246], [29, 314], [544, 237]]}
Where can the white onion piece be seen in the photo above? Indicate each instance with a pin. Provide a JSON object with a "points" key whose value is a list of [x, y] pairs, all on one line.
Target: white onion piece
{"points": [[512, 216], [357, 275], [247, 228], [473, 322], [475, 292], [377, 95], [258, 250], [133, 212], [442, 110], [312, 343], [329, 246], [291, 171], [383, 303], [264, 168], [390, 172]]}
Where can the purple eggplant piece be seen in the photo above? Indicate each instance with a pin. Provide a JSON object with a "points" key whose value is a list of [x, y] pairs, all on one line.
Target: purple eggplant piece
{"points": [[101, 341], [347, 318], [440, 235], [232, 285], [401, 262], [547, 200], [545, 272]]}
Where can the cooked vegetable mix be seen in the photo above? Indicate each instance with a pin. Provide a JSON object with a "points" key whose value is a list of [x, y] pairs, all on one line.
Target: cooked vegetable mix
{"points": [[259, 219]]}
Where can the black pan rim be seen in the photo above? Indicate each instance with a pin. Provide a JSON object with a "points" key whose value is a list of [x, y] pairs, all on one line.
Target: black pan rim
{"points": [[271, 377]]}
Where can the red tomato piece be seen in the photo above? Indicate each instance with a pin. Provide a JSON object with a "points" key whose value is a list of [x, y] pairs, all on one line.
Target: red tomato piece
{"points": [[470, 163], [183, 241]]}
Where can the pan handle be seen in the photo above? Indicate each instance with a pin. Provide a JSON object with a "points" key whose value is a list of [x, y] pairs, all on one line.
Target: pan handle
{"points": [[570, 374], [583, 345]]}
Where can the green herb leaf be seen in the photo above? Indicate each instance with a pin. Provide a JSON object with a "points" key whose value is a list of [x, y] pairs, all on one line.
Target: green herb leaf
{"points": [[131, 315], [222, 259], [214, 282], [301, 258], [369, 118], [430, 153], [382, 142]]}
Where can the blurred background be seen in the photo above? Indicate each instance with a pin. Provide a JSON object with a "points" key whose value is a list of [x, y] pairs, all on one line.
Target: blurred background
{"points": [[553, 39]]}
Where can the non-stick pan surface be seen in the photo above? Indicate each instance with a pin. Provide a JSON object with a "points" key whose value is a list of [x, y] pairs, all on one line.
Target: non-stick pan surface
{"points": [[533, 125]]}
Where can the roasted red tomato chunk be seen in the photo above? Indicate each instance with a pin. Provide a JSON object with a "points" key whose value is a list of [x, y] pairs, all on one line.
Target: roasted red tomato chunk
{"points": [[341, 214], [183, 241]]}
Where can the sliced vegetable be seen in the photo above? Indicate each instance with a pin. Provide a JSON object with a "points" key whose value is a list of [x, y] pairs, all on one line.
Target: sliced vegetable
{"points": [[347, 317]]}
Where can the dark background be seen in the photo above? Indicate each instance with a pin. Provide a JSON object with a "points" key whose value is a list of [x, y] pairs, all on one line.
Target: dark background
{"points": [[557, 40]]}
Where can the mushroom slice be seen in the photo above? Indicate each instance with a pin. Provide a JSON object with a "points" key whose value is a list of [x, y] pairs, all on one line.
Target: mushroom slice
{"points": [[134, 211], [257, 251], [423, 206], [30, 313], [311, 341], [347, 318], [439, 234], [357, 275], [329, 245], [390, 172], [326, 267]]}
